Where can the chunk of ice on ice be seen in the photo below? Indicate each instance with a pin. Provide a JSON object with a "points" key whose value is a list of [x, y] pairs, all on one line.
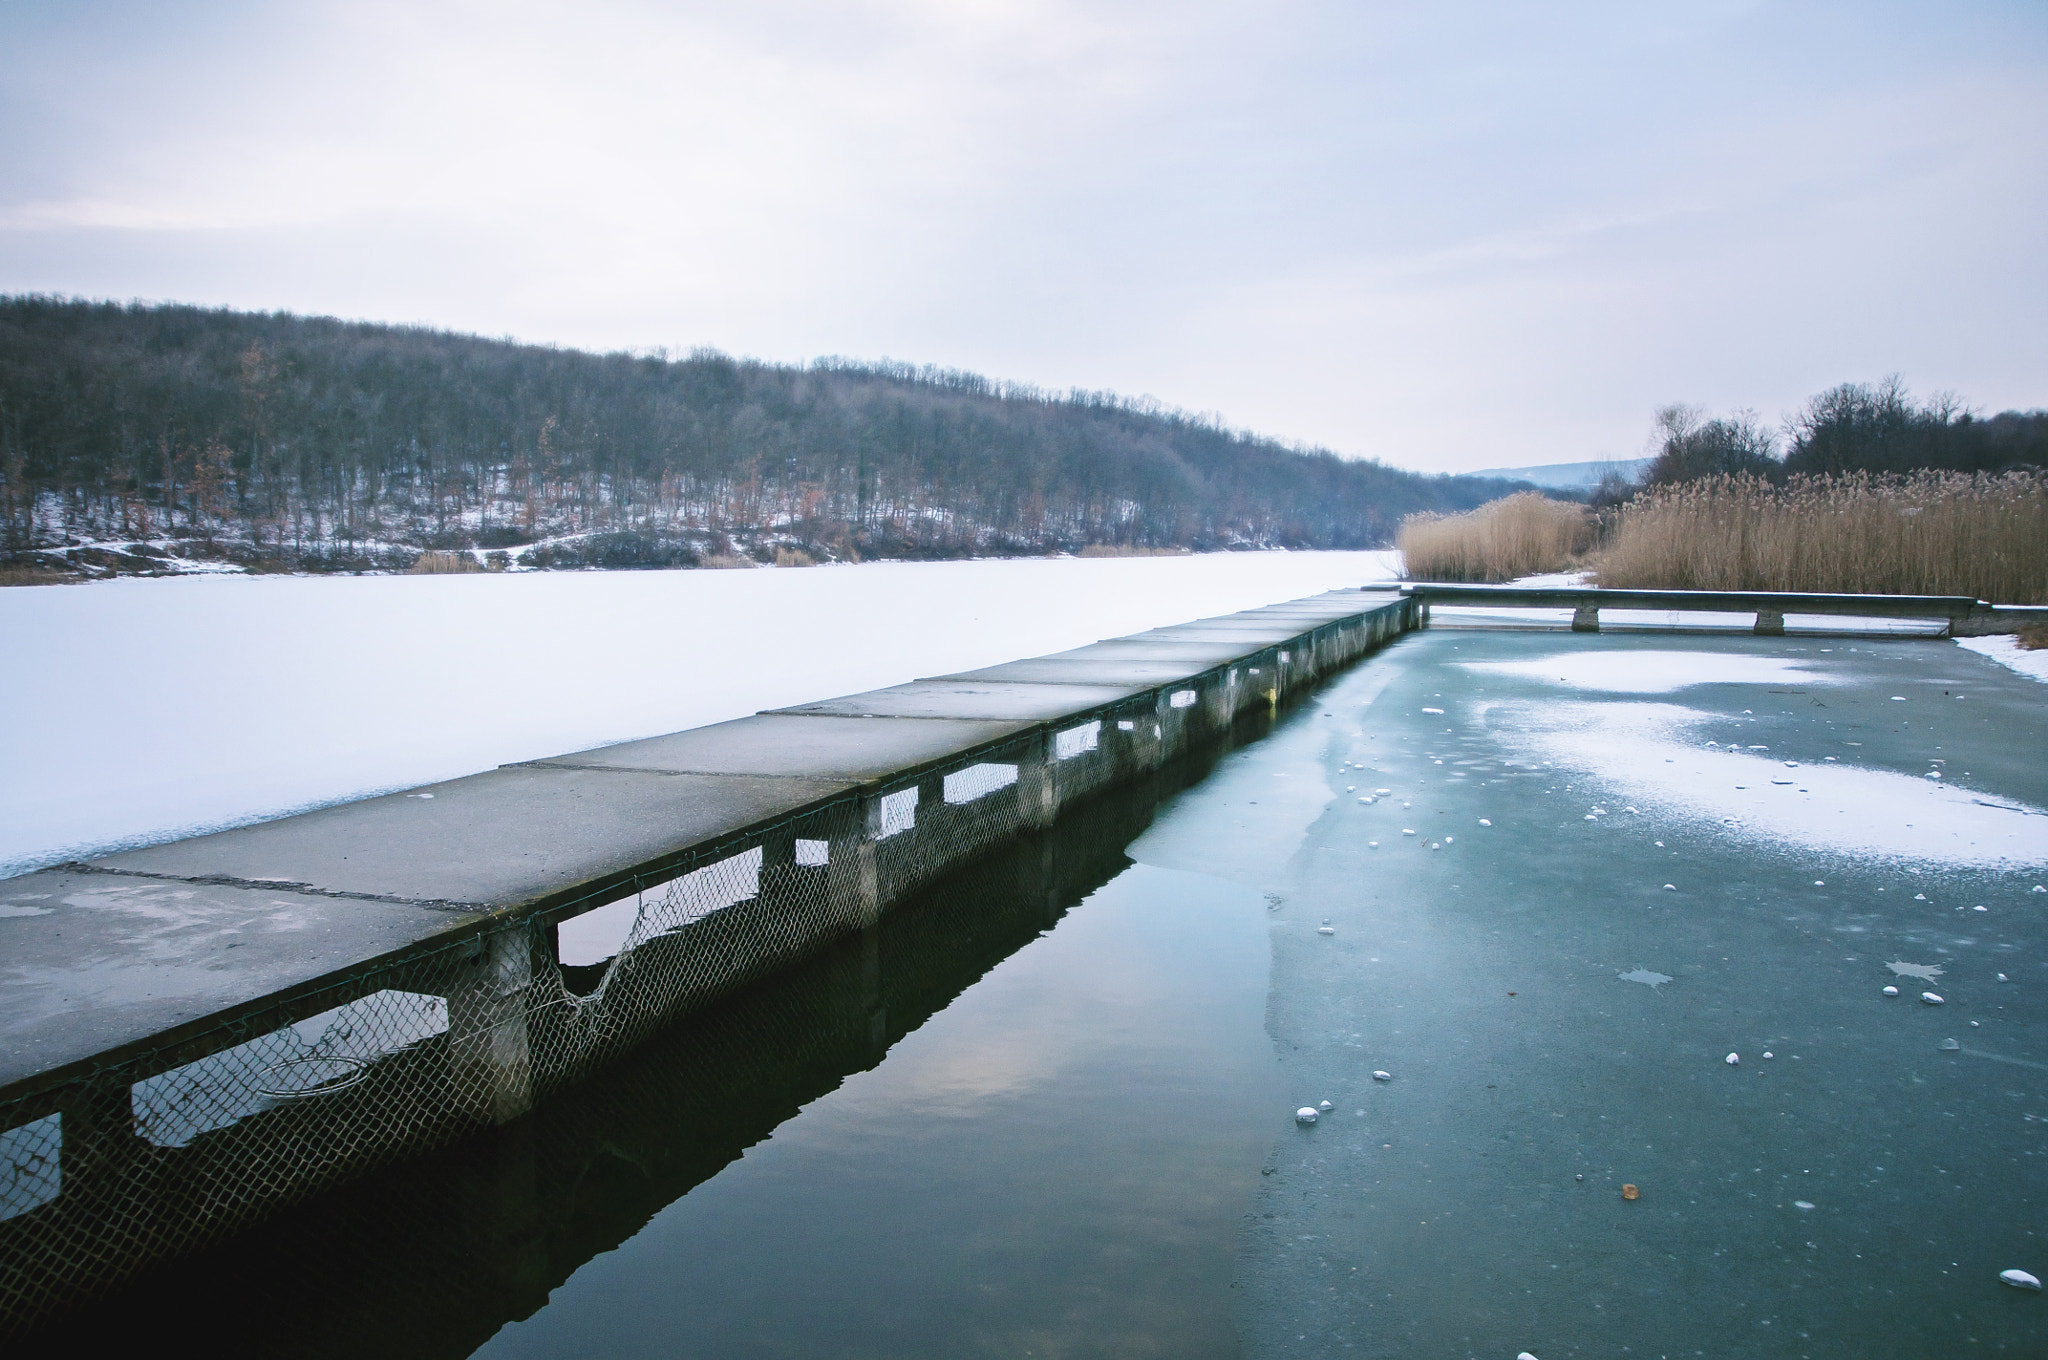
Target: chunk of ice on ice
{"points": [[1383, 1076], [1432, 710], [1891, 991], [1950, 1046], [1733, 1060], [1372, 845], [1305, 1115], [1980, 909], [1670, 887], [1485, 822], [1802, 1204], [1407, 830], [1322, 1105], [1326, 930], [2019, 1279], [1932, 999]]}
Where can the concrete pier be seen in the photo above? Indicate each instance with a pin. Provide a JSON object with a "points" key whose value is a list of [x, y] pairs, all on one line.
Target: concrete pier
{"points": [[251, 1015]]}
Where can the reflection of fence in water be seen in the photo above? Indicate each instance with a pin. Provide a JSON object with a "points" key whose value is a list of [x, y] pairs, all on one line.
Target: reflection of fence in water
{"points": [[460, 1241], [164, 1153]]}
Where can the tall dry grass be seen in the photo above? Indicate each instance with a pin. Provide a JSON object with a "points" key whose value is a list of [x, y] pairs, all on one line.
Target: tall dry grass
{"points": [[1122, 550], [434, 562], [1518, 535], [1929, 533]]}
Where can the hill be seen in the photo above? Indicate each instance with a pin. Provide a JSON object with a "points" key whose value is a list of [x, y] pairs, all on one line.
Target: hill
{"points": [[1568, 476], [128, 432]]}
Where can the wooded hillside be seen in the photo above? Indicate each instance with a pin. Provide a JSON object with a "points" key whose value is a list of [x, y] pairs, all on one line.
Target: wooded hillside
{"points": [[313, 443]]}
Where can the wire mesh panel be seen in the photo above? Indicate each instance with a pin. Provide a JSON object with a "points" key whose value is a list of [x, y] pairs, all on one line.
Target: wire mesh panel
{"points": [[161, 1153]]}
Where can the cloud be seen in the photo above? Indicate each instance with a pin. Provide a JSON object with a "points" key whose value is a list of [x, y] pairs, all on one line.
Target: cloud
{"points": [[1457, 237]]}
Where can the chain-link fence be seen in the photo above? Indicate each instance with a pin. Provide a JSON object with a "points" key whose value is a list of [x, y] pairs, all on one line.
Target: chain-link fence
{"points": [[161, 1154]]}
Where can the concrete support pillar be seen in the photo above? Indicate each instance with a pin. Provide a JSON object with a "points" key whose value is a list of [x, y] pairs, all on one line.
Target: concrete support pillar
{"points": [[1135, 750], [778, 850], [852, 878], [931, 801], [1586, 619], [1038, 783], [490, 1065], [1770, 622], [102, 1158]]}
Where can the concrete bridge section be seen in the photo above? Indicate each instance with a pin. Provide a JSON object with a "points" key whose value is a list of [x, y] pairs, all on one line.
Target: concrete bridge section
{"points": [[195, 1034]]}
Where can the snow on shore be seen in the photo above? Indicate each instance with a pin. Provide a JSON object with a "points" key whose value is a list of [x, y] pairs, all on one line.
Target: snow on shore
{"points": [[143, 709]]}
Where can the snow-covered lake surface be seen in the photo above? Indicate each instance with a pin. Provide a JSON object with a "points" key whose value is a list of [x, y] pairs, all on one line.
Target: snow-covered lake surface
{"points": [[140, 710]]}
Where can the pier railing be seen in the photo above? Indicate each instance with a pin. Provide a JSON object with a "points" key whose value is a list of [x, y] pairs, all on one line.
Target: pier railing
{"points": [[1965, 616]]}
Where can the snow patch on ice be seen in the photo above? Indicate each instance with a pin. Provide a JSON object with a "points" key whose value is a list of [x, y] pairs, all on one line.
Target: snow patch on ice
{"points": [[2006, 651], [1651, 752], [1654, 672]]}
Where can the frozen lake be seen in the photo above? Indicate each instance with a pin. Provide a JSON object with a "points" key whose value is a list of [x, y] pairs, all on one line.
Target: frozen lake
{"points": [[1050, 1108], [146, 709]]}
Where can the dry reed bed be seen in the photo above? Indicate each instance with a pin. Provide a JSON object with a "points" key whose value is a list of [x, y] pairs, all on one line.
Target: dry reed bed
{"points": [[434, 562], [1930, 533], [1518, 535]]}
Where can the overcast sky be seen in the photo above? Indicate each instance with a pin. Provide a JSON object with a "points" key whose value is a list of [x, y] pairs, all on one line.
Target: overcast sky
{"points": [[1449, 236]]}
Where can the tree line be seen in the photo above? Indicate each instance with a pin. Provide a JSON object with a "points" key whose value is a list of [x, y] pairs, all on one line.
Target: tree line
{"points": [[1855, 427], [317, 443]]}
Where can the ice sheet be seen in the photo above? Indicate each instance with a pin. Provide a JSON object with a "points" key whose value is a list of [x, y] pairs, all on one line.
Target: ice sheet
{"points": [[139, 709]]}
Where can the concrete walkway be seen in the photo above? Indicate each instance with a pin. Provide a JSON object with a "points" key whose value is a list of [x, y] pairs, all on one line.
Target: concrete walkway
{"points": [[153, 949]]}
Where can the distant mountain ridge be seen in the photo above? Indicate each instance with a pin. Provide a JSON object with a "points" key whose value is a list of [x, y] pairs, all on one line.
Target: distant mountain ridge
{"points": [[1567, 476], [150, 433]]}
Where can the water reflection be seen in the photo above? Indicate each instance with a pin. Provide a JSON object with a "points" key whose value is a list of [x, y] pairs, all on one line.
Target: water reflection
{"points": [[435, 1256]]}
